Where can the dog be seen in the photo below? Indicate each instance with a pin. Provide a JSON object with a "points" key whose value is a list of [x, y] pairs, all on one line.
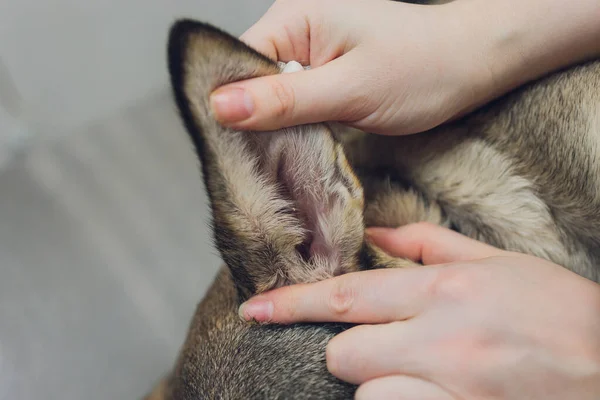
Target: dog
{"points": [[521, 173]]}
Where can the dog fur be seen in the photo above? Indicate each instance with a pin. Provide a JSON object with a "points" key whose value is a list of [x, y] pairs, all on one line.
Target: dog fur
{"points": [[521, 173]]}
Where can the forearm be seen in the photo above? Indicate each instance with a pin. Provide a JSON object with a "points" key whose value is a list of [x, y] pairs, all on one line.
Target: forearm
{"points": [[516, 41]]}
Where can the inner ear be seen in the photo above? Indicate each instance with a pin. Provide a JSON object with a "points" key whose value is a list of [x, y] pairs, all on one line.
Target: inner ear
{"points": [[310, 168]]}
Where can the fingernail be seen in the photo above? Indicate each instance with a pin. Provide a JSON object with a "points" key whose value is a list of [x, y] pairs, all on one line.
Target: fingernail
{"points": [[258, 310], [231, 105]]}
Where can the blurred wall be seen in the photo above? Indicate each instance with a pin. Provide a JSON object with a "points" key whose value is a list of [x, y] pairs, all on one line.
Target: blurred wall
{"points": [[104, 241], [64, 63]]}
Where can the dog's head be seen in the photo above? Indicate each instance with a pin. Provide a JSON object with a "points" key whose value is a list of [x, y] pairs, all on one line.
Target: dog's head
{"points": [[286, 208]]}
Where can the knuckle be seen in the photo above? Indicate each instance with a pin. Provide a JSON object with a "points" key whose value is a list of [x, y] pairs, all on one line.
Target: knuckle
{"points": [[290, 309], [291, 312], [285, 99], [342, 296], [454, 284]]}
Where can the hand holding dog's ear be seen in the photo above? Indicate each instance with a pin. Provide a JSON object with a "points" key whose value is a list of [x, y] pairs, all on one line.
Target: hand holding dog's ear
{"points": [[345, 44], [475, 323], [396, 68]]}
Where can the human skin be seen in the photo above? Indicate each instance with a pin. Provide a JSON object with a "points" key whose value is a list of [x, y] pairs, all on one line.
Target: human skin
{"points": [[397, 68], [475, 322]]}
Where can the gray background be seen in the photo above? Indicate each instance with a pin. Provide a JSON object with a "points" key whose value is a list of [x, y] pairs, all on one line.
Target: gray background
{"points": [[104, 248]]}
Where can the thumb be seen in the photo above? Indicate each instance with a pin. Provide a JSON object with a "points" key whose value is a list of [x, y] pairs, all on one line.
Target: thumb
{"points": [[277, 101], [430, 244]]}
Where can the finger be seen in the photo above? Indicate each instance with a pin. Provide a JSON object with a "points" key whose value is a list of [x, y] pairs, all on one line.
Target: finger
{"points": [[376, 296], [401, 387], [430, 244], [282, 34], [326, 93], [368, 352]]}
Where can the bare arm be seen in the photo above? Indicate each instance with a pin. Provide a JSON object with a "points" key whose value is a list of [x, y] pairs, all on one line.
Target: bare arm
{"points": [[522, 40]]}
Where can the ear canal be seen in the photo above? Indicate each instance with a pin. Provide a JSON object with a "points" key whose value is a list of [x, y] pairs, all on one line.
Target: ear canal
{"points": [[286, 205]]}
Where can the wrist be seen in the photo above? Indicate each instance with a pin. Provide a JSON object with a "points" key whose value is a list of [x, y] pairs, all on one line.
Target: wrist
{"points": [[512, 42]]}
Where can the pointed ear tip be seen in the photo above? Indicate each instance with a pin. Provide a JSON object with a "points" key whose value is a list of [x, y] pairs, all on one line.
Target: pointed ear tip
{"points": [[179, 41], [183, 28], [206, 35], [181, 31], [179, 34]]}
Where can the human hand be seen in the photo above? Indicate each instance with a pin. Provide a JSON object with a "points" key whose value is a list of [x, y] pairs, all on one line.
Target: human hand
{"points": [[380, 66], [397, 68], [477, 323]]}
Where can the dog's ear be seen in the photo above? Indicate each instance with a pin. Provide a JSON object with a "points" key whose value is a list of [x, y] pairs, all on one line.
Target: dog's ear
{"points": [[287, 207]]}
